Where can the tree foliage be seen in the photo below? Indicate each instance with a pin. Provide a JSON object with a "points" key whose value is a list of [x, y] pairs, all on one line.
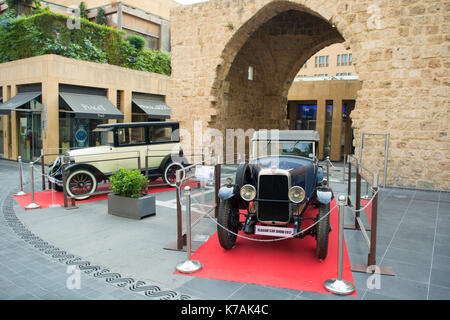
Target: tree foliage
{"points": [[83, 10], [100, 18], [47, 33]]}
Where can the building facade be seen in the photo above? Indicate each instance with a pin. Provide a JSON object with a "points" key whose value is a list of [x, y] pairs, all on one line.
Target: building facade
{"points": [[399, 50], [53, 103], [148, 19]]}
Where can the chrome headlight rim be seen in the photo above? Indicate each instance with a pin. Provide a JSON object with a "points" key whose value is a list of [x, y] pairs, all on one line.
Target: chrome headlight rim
{"points": [[244, 191], [292, 191]]}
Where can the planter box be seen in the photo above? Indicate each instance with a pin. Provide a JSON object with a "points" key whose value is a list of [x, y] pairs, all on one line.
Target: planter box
{"points": [[131, 208]]}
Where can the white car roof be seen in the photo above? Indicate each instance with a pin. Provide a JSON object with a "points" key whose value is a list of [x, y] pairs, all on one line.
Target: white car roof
{"points": [[286, 135]]}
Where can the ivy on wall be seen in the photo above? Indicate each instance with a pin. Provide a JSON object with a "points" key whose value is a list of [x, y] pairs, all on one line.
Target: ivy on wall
{"points": [[50, 33]]}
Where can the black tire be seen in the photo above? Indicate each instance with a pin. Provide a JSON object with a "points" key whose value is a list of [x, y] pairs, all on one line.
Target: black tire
{"points": [[322, 232], [229, 218], [169, 174], [81, 184]]}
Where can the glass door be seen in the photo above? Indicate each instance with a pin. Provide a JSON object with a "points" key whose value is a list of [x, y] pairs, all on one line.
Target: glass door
{"points": [[1, 136], [29, 134]]}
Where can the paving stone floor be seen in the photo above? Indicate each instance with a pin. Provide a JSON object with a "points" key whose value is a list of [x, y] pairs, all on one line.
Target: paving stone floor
{"points": [[413, 238]]}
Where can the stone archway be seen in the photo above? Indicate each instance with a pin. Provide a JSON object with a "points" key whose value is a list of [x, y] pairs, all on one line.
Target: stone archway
{"points": [[275, 43], [399, 51]]}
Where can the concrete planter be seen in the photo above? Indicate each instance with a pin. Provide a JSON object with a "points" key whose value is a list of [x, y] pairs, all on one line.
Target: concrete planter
{"points": [[131, 208]]}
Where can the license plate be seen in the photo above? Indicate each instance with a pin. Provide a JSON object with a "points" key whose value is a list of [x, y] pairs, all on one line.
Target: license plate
{"points": [[274, 231]]}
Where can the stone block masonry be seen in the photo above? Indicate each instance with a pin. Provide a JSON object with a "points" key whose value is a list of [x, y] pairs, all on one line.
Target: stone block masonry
{"points": [[400, 51]]}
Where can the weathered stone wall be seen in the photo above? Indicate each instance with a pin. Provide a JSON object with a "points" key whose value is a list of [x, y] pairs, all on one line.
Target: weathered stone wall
{"points": [[400, 51]]}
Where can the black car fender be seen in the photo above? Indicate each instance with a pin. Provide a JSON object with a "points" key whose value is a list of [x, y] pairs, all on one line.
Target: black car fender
{"points": [[85, 166], [324, 195], [172, 158]]}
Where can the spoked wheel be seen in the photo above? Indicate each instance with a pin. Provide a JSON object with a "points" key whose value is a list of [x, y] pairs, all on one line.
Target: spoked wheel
{"points": [[81, 184], [322, 231], [170, 173], [229, 218]]}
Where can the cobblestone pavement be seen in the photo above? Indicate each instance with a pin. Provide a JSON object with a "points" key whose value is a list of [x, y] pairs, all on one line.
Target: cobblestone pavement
{"points": [[33, 269], [413, 238]]}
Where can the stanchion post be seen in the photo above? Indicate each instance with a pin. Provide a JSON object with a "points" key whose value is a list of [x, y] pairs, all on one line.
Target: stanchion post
{"points": [[371, 258], [43, 169], [32, 205], [328, 171], [349, 177], [340, 286], [189, 266], [20, 193], [217, 178], [358, 194], [180, 242], [64, 179], [343, 169], [386, 153]]}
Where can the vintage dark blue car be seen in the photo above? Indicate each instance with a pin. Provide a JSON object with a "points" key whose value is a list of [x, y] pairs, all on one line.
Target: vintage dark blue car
{"points": [[274, 190]]}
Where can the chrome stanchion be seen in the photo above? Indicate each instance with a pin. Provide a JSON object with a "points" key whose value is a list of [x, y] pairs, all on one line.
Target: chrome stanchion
{"points": [[366, 196], [340, 286], [20, 193], [189, 266], [32, 205], [328, 170]]}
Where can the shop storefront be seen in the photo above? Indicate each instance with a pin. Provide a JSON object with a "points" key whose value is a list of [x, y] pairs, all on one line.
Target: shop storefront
{"points": [[148, 107], [1, 125], [28, 108], [81, 110]]}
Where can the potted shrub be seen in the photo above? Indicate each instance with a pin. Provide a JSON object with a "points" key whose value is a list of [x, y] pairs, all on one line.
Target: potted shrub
{"points": [[127, 199]]}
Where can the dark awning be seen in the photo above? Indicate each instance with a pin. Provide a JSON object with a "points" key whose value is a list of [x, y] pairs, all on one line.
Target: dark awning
{"points": [[153, 106], [17, 101], [88, 106]]}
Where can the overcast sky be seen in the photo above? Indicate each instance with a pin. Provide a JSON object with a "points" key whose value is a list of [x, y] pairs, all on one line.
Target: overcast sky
{"points": [[190, 1]]}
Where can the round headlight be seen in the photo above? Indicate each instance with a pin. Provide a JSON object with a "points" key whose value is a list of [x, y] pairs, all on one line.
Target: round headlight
{"points": [[296, 194], [248, 192]]}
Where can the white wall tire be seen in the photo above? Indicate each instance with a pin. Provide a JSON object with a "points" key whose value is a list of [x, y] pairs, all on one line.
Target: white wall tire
{"points": [[81, 184], [169, 175]]}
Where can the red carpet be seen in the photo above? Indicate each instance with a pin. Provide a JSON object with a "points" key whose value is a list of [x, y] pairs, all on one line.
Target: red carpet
{"points": [[289, 264], [367, 210], [53, 198]]}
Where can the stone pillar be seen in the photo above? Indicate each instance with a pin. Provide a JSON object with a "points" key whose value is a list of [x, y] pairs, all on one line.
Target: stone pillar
{"points": [[127, 105], [320, 125], [112, 96], [14, 150], [336, 130], [50, 137], [5, 121]]}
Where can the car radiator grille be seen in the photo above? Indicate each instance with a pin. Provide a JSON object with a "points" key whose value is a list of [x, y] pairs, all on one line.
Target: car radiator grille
{"points": [[273, 187]]}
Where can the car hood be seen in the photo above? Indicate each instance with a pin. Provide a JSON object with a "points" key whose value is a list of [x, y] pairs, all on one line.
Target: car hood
{"points": [[302, 171], [88, 151]]}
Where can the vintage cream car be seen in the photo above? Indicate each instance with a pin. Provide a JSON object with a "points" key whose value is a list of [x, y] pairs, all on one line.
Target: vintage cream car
{"points": [[152, 147]]}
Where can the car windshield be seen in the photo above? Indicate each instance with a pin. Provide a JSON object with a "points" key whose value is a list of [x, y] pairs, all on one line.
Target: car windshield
{"points": [[279, 148]]}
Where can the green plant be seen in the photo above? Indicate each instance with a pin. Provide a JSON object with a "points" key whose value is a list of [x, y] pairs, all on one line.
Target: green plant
{"points": [[20, 6], [48, 33], [100, 18], [128, 183], [83, 10], [137, 41]]}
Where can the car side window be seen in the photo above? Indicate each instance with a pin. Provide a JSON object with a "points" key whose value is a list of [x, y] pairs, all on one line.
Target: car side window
{"points": [[160, 134], [131, 136]]}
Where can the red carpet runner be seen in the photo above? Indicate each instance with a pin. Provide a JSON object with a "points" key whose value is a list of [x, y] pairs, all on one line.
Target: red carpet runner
{"points": [[367, 210], [289, 264], [51, 198]]}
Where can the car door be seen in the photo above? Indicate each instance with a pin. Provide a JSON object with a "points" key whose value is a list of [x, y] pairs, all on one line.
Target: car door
{"points": [[131, 148]]}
